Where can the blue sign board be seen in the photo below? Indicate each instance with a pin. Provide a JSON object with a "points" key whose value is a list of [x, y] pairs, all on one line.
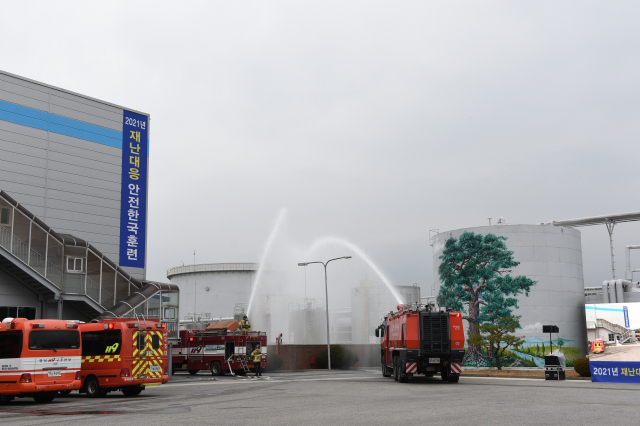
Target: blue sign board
{"points": [[133, 193], [615, 371], [626, 316]]}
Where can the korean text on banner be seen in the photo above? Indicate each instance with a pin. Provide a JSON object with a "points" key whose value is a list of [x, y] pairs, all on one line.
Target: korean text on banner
{"points": [[615, 371], [133, 196]]}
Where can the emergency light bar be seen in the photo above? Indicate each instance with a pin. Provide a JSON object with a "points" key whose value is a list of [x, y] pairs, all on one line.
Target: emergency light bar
{"points": [[108, 326], [37, 325], [133, 325], [72, 325]]}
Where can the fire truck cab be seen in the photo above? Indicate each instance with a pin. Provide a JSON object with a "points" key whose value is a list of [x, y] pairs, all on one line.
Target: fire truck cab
{"points": [[218, 351], [417, 339], [39, 358], [125, 354]]}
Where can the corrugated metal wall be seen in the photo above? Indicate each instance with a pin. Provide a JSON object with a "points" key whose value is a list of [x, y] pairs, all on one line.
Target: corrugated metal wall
{"points": [[71, 183]]}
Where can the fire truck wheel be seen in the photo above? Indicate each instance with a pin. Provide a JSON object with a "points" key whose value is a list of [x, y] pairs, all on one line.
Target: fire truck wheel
{"points": [[45, 397], [193, 372], [385, 370], [401, 377], [4, 399], [396, 368], [132, 390], [216, 369], [447, 376], [92, 387]]}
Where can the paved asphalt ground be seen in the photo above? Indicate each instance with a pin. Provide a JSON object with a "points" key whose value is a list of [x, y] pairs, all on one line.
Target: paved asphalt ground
{"points": [[627, 352], [360, 397]]}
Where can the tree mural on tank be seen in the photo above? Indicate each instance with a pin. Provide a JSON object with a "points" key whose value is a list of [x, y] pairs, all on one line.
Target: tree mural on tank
{"points": [[475, 276]]}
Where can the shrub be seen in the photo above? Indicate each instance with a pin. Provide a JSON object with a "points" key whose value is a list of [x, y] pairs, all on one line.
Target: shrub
{"points": [[341, 357], [581, 366], [274, 361]]}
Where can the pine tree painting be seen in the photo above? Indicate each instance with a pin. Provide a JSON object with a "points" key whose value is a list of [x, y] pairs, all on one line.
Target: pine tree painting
{"points": [[475, 276]]}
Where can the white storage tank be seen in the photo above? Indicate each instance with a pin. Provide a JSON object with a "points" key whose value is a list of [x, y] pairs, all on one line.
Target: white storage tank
{"points": [[214, 288], [552, 256], [370, 302], [308, 321]]}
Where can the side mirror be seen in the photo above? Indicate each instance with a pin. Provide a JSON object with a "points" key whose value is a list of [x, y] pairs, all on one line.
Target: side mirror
{"points": [[377, 332]]}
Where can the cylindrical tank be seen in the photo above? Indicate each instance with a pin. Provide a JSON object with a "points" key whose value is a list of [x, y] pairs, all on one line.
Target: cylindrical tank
{"points": [[214, 288], [369, 304], [551, 256]]}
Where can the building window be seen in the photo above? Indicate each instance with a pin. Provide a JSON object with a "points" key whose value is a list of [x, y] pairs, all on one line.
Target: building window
{"points": [[169, 313], [5, 216], [27, 312], [611, 337], [74, 264]]}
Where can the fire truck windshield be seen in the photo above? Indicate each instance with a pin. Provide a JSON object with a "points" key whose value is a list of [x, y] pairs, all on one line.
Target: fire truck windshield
{"points": [[54, 339], [10, 344], [103, 342]]}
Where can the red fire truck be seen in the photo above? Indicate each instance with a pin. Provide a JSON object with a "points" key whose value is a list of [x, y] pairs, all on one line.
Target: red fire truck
{"points": [[124, 354], [218, 351], [417, 339]]}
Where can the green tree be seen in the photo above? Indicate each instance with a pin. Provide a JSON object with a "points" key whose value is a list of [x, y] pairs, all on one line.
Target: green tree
{"points": [[475, 272], [543, 349], [537, 348], [560, 342], [497, 338]]}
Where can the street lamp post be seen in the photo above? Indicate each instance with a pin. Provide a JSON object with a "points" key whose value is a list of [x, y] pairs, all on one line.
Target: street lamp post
{"points": [[326, 292]]}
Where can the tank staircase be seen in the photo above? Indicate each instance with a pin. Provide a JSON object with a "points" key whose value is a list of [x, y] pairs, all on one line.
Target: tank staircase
{"points": [[625, 333]]}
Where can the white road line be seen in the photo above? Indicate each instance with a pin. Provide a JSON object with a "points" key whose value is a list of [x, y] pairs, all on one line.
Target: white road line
{"points": [[231, 382]]}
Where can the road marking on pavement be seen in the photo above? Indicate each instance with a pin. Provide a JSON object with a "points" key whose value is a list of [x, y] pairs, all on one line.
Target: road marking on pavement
{"points": [[270, 381]]}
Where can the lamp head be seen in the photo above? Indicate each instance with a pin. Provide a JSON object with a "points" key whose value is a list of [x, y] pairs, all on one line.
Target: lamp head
{"points": [[347, 257], [302, 264]]}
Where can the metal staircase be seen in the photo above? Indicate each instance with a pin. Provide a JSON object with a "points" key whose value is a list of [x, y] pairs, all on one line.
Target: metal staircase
{"points": [[36, 256], [625, 333]]}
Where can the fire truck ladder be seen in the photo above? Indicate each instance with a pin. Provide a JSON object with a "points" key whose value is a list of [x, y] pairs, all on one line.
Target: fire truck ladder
{"points": [[244, 363]]}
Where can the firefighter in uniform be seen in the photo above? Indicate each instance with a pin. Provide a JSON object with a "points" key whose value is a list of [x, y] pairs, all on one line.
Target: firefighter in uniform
{"points": [[257, 359], [245, 325]]}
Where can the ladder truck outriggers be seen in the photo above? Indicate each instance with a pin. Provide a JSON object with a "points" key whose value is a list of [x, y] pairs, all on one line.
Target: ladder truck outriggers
{"points": [[418, 339]]}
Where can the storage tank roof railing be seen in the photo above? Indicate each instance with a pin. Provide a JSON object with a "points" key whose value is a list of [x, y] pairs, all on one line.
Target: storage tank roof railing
{"points": [[211, 267], [599, 220]]}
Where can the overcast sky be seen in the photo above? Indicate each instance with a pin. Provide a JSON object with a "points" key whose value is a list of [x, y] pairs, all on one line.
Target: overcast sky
{"points": [[370, 121]]}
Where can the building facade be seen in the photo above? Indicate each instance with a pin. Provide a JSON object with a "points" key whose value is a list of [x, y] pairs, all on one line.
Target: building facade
{"points": [[79, 166]]}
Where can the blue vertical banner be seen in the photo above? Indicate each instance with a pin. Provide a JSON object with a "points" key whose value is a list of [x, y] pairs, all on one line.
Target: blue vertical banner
{"points": [[626, 316], [133, 195]]}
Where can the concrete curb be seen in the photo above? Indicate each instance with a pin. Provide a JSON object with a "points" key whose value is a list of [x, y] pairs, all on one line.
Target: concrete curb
{"points": [[515, 376]]}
